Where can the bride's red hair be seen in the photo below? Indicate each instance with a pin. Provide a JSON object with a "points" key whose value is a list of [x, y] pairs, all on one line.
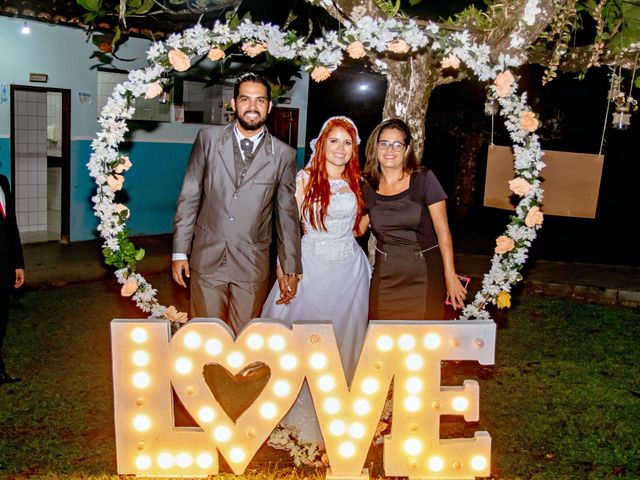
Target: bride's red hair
{"points": [[318, 190]]}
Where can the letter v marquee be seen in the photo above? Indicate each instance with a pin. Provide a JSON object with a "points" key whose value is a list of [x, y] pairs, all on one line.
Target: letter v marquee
{"points": [[148, 362]]}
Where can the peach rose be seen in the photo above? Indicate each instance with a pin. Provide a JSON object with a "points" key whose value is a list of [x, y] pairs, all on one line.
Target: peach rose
{"points": [[398, 46], [451, 62], [124, 165], [534, 217], [528, 121], [129, 288], [153, 90], [503, 300], [216, 54], [504, 244], [356, 50], [174, 315], [254, 49], [320, 74], [179, 60], [519, 186], [503, 83], [115, 182], [121, 208]]}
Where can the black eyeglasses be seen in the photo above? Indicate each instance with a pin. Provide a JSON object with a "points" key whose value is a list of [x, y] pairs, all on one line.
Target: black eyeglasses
{"points": [[395, 146]]}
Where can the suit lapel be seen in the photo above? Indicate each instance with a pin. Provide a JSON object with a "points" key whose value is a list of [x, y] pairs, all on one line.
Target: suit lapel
{"points": [[225, 152]]}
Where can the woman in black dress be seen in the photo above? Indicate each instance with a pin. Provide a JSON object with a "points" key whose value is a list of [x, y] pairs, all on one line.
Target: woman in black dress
{"points": [[414, 270]]}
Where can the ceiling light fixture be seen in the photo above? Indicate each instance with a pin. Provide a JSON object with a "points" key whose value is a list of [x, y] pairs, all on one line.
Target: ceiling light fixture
{"points": [[24, 29]]}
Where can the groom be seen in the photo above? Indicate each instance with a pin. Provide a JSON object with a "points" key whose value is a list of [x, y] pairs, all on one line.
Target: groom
{"points": [[238, 180]]}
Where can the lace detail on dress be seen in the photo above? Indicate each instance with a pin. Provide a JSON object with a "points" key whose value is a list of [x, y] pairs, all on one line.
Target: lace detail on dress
{"points": [[337, 243]]}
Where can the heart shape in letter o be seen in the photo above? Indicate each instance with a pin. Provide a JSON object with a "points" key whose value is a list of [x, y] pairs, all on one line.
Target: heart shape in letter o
{"points": [[210, 341]]}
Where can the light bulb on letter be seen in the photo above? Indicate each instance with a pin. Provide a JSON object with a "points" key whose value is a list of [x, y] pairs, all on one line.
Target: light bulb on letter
{"points": [[213, 346], [143, 462], [318, 361], [406, 342], [370, 385], [183, 365], [431, 341], [326, 383], [222, 433], [204, 460], [460, 404], [337, 427], [141, 380], [165, 460], [281, 388], [384, 343], [436, 464], [276, 342], [140, 358], [192, 340], [139, 335], [478, 463], [255, 342], [184, 460]]}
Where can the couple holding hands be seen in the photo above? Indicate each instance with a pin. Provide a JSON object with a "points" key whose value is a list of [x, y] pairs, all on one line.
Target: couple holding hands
{"points": [[241, 182]]}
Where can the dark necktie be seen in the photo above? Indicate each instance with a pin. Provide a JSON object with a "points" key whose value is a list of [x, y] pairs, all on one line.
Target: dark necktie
{"points": [[246, 146]]}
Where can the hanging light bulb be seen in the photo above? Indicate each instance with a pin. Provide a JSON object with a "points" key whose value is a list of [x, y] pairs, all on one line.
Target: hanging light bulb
{"points": [[24, 29], [621, 118]]}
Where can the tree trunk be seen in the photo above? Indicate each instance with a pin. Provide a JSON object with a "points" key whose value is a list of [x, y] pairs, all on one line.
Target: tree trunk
{"points": [[410, 83]]}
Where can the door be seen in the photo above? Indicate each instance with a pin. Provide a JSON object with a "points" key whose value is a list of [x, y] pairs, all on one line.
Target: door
{"points": [[283, 124], [40, 140]]}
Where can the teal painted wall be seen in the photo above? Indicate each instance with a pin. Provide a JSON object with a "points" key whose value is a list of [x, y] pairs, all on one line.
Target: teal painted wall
{"points": [[159, 155], [150, 190], [5, 157]]}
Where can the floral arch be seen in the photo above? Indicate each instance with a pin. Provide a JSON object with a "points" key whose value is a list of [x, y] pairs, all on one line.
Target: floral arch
{"points": [[108, 165]]}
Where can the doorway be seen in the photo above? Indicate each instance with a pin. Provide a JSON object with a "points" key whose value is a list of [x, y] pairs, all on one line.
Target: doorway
{"points": [[40, 142], [283, 124]]}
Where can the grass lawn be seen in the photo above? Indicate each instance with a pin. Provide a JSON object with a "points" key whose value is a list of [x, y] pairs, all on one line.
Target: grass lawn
{"points": [[562, 402]]}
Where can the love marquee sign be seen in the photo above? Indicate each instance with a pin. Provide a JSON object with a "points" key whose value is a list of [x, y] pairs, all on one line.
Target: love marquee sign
{"points": [[148, 362]]}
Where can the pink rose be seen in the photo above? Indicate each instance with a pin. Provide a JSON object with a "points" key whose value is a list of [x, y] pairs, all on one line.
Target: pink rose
{"points": [[356, 50], [503, 83], [528, 121], [398, 46], [174, 315], [153, 90], [129, 288], [534, 217], [121, 208], [451, 62], [254, 49], [124, 165], [115, 182], [519, 186], [179, 60], [320, 74], [504, 244], [216, 54]]}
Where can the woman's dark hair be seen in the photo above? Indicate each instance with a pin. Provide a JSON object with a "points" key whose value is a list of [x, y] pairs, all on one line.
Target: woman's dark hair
{"points": [[372, 166], [254, 78]]}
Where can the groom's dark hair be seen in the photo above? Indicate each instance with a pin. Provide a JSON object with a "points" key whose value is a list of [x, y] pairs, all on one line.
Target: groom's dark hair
{"points": [[254, 78]]}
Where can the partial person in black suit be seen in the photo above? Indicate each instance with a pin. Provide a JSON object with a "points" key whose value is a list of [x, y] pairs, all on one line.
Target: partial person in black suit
{"points": [[11, 264]]}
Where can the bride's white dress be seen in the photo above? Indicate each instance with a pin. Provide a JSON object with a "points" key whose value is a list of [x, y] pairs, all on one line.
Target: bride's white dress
{"points": [[335, 287]]}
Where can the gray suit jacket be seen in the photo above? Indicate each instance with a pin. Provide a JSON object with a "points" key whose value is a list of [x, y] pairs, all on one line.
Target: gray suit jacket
{"points": [[212, 217]]}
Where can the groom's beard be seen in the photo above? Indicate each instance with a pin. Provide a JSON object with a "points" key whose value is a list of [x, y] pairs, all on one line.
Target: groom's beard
{"points": [[251, 125]]}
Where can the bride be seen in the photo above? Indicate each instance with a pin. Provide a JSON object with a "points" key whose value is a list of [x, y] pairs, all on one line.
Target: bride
{"points": [[336, 271]]}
